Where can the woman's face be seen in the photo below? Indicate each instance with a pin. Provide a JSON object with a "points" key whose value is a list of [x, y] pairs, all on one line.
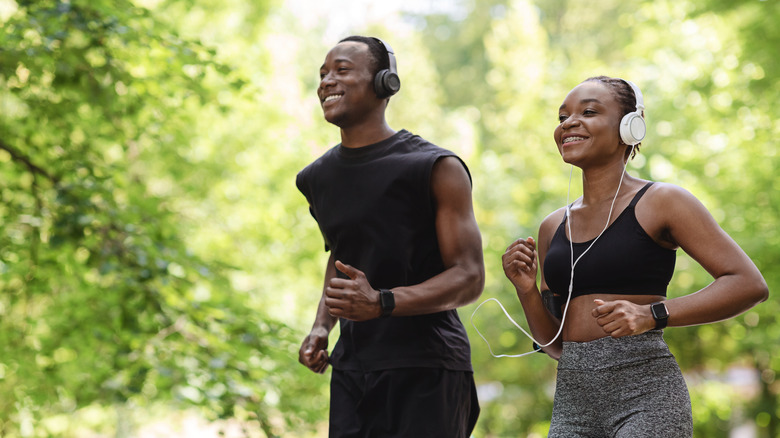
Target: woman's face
{"points": [[589, 129]]}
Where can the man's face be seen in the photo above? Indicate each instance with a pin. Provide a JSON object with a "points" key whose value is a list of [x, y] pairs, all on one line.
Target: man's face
{"points": [[346, 88]]}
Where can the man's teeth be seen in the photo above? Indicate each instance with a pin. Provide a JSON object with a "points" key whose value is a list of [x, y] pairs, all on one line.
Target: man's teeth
{"points": [[332, 97], [571, 139]]}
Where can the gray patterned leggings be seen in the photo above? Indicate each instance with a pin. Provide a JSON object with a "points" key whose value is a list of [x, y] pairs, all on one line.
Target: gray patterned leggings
{"points": [[620, 388]]}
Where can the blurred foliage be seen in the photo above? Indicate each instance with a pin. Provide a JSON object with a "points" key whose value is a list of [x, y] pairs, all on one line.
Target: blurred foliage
{"points": [[156, 257], [105, 298]]}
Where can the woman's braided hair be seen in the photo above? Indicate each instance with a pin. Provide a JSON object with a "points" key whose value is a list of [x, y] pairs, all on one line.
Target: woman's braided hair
{"points": [[625, 96]]}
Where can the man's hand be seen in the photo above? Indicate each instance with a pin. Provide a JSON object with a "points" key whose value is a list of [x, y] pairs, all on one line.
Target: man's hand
{"points": [[352, 298], [314, 351]]}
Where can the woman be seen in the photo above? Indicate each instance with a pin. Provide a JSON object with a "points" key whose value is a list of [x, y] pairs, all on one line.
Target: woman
{"points": [[616, 376]]}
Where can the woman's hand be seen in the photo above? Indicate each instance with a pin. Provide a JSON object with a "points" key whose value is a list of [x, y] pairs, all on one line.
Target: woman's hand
{"points": [[519, 262], [622, 318]]}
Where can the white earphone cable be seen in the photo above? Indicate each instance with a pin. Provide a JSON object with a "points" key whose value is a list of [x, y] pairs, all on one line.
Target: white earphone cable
{"points": [[571, 280]]}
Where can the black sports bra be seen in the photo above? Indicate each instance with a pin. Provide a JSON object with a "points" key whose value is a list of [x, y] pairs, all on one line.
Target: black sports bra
{"points": [[624, 260]]}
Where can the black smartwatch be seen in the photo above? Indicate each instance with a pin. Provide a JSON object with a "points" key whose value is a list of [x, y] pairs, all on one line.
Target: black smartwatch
{"points": [[387, 301], [660, 314]]}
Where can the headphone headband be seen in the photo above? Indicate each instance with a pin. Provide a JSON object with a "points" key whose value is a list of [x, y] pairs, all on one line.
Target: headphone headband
{"points": [[640, 101], [390, 54]]}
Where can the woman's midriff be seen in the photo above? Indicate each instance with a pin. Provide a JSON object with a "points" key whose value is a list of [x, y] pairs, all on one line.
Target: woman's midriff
{"points": [[581, 326]]}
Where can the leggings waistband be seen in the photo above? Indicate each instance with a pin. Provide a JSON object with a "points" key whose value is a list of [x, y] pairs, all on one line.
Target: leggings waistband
{"points": [[611, 352]]}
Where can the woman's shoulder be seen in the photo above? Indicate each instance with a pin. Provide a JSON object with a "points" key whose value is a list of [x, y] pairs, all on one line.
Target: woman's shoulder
{"points": [[550, 224], [554, 218], [668, 207], [665, 195]]}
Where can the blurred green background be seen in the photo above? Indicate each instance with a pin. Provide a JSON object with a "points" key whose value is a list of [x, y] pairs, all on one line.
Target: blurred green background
{"points": [[158, 268]]}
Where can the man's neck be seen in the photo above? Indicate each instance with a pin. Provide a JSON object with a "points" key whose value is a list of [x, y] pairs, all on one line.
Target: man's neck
{"points": [[364, 135]]}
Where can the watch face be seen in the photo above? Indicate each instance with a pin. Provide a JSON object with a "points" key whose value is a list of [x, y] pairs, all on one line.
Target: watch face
{"points": [[659, 311], [385, 299]]}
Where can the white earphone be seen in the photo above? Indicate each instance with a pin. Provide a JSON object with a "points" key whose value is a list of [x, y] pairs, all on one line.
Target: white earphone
{"points": [[632, 132]]}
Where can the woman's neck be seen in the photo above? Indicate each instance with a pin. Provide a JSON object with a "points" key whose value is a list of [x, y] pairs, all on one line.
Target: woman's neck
{"points": [[601, 185]]}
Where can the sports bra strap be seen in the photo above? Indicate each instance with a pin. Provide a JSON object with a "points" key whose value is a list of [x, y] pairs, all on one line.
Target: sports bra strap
{"points": [[566, 213], [632, 204], [639, 194]]}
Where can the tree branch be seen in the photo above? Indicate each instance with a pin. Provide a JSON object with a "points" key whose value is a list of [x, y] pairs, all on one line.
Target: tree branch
{"points": [[32, 167]]}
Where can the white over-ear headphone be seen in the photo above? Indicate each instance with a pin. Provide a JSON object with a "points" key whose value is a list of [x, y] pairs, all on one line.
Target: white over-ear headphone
{"points": [[632, 126]]}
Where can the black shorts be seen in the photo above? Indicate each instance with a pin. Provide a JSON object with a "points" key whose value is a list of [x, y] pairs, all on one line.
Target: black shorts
{"points": [[406, 402]]}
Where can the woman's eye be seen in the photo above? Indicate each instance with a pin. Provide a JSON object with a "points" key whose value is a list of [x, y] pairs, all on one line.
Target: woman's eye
{"points": [[562, 117], [589, 112]]}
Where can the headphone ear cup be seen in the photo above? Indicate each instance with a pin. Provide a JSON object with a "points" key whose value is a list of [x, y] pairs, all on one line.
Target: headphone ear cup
{"points": [[386, 83], [632, 128]]}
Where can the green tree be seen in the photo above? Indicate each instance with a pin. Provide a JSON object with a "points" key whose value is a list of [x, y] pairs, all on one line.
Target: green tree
{"points": [[152, 238], [105, 300]]}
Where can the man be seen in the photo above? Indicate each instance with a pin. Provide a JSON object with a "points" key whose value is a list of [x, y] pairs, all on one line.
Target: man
{"points": [[396, 214]]}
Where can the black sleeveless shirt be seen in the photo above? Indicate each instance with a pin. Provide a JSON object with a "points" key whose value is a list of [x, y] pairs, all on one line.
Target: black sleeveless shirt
{"points": [[624, 260], [375, 210]]}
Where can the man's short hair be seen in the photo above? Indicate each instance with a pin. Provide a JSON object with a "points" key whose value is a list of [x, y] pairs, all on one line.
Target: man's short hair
{"points": [[380, 60]]}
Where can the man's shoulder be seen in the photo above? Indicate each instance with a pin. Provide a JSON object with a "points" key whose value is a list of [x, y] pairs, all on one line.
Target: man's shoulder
{"points": [[416, 143], [312, 168], [322, 159]]}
